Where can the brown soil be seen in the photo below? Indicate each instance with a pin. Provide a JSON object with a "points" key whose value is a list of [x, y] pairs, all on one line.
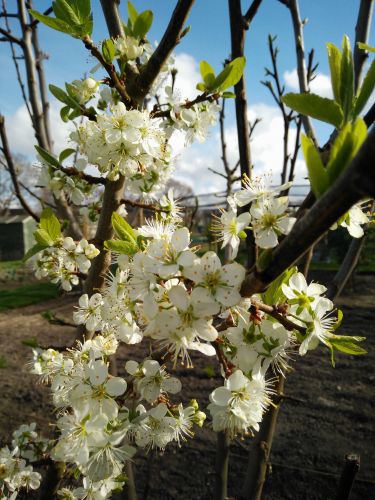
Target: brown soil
{"points": [[328, 411]]}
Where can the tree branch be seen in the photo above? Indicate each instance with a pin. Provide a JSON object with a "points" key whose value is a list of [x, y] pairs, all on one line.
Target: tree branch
{"points": [[250, 14], [301, 64], [354, 184], [362, 32], [169, 41], [12, 169], [11, 38]]}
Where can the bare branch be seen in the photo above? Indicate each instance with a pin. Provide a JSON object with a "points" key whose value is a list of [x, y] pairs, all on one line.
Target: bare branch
{"points": [[251, 12], [362, 32], [301, 64], [12, 169], [11, 38]]}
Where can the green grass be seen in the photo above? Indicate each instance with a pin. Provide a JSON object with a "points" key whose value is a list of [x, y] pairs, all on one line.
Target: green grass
{"points": [[26, 295], [10, 264]]}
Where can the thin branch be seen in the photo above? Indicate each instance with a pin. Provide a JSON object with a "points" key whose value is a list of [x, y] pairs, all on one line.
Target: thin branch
{"points": [[12, 169], [250, 14], [110, 69], [138, 204], [362, 32], [237, 32], [90, 179], [17, 68], [10, 37], [275, 312], [355, 183], [170, 39], [301, 64]]}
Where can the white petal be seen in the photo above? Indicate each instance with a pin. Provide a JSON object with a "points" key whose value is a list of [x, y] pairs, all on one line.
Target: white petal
{"points": [[179, 297], [115, 386]]}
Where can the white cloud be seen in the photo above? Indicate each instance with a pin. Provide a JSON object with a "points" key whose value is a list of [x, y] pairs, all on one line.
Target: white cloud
{"points": [[21, 135], [321, 84], [188, 76]]}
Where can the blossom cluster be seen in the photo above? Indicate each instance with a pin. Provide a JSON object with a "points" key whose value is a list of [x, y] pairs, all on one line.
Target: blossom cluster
{"points": [[15, 474], [63, 261], [102, 418], [267, 216]]}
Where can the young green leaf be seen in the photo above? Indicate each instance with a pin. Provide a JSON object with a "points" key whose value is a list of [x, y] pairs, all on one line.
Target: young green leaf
{"points": [[50, 223], [108, 50], [63, 96], [228, 95], [334, 59], [230, 75], [43, 238], [208, 74], [64, 113], [201, 86], [53, 22], [47, 157], [317, 173], [345, 147], [132, 13], [365, 91], [33, 251], [143, 24], [346, 79], [123, 247], [348, 347], [122, 229], [274, 293], [65, 154], [325, 110], [364, 46]]}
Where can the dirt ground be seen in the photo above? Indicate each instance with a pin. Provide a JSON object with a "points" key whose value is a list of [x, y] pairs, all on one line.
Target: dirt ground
{"points": [[328, 412]]}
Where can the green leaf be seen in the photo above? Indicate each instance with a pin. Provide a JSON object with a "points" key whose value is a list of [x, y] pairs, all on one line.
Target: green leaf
{"points": [[274, 294], [143, 24], [32, 342], [208, 74], [122, 229], [364, 46], [317, 173], [348, 347], [47, 157], [108, 50], [345, 147], [63, 96], [119, 246], [43, 238], [201, 86], [33, 251], [230, 75], [64, 113], [53, 23], [76, 13], [334, 59], [50, 223], [228, 95], [65, 154], [325, 110], [132, 12], [365, 91], [346, 79]]}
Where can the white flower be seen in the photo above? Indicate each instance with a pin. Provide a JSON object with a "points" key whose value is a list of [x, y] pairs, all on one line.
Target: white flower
{"points": [[255, 189], [89, 311], [353, 221], [319, 328], [269, 221], [238, 406], [222, 282], [228, 227]]}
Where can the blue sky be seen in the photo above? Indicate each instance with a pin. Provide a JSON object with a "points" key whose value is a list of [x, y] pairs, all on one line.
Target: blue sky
{"points": [[208, 39]]}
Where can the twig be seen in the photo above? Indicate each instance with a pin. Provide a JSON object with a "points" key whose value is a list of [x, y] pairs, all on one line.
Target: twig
{"points": [[90, 179], [12, 169], [221, 466], [11, 38], [251, 12], [301, 64], [274, 311], [110, 69]]}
